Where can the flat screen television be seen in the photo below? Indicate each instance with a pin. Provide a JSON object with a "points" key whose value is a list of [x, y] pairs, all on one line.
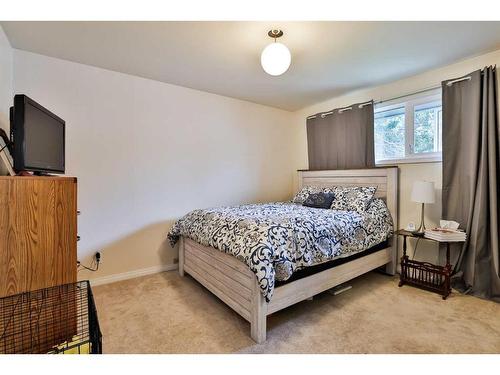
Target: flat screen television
{"points": [[38, 137]]}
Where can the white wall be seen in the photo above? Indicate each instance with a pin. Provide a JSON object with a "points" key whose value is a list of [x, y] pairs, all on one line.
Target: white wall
{"points": [[5, 80], [408, 211], [145, 153]]}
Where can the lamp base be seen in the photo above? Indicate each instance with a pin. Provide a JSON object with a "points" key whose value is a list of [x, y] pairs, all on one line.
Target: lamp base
{"points": [[417, 233], [421, 229]]}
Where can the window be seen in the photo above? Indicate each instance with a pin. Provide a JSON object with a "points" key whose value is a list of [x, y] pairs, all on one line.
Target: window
{"points": [[409, 130]]}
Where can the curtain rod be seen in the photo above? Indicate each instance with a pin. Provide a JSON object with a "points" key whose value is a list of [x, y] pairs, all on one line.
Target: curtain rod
{"points": [[341, 110], [408, 94], [450, 83]]}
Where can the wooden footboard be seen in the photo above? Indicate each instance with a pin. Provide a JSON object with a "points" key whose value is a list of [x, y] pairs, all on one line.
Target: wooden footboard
{"points": [[228, 278], [233, 282]]}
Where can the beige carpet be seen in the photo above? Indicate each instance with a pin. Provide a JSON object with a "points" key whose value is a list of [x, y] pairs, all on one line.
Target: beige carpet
{"points": [[165, 313]]}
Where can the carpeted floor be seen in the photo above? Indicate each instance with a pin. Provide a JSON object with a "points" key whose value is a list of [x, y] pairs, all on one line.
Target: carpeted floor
{"points": [[165, 313]]}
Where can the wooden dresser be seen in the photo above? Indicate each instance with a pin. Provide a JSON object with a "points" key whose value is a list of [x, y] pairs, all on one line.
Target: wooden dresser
{"points": [[38, 232]]}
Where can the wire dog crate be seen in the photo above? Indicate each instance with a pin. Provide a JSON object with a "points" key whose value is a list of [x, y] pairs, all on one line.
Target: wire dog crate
{"points": [[56, 320]]}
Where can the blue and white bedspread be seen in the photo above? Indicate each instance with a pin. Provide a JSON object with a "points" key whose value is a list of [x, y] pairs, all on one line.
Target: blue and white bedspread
{"points": [[277, 239]]}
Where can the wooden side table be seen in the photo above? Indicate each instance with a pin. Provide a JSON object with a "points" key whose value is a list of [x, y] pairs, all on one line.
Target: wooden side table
{"points": [[425, 275]]}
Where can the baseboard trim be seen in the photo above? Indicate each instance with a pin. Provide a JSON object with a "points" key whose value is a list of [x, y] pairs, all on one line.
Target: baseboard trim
{"points": [[132, 274]]}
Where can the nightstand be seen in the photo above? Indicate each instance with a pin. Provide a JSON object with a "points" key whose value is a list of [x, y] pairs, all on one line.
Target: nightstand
{"points": [[425, 275]]}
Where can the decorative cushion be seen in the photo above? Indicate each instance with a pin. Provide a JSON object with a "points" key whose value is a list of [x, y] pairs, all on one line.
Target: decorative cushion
{"points": [[319, 200], [352, 198], [303, 193]]}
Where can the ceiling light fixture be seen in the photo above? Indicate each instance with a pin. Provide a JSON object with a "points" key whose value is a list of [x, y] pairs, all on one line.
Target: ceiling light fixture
{"points": [[276, 57]]}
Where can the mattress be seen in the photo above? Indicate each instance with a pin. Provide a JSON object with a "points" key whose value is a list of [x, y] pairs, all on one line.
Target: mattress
{"points": [[276, 240]]}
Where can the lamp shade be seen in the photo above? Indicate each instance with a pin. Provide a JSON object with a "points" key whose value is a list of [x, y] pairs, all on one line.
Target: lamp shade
{"points": [[275, 59], [423, 192]]}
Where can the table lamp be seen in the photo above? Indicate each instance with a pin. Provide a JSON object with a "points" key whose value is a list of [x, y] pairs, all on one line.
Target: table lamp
{"points": [[422, 192]]}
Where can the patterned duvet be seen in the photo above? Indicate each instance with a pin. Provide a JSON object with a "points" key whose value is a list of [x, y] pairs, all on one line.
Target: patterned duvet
{"points": [[277, 239]]}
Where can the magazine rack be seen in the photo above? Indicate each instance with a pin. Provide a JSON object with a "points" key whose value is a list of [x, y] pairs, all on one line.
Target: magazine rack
{"points": [[425, 275]]}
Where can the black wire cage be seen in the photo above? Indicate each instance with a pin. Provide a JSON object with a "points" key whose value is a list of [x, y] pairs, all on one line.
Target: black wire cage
{"points": [[56, 320]]}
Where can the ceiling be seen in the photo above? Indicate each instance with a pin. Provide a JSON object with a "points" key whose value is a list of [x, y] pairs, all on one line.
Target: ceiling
{"points": [[328, 58]]}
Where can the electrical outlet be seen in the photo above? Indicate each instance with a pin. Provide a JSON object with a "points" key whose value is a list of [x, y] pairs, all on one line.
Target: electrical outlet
{"points": [[176, 260], [97, 256]]}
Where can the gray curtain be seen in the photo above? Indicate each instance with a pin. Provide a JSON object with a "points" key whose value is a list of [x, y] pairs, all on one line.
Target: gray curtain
{"points": [[471, 167], [342, 138]]}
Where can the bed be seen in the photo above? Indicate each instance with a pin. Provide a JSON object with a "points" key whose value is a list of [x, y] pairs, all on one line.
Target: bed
{"points": [[245, 261]]}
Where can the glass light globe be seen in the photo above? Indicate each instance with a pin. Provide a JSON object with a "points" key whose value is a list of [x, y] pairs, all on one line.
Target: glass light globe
{"points": [[275, 59]]}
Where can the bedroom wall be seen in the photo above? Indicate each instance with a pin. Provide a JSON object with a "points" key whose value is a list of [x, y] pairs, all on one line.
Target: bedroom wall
{"points": [[5, 80], [408, 211], [145, 153]]}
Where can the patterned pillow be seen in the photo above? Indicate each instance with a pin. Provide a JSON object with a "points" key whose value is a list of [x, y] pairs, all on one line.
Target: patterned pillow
{"points": [[319, 200], [303, 193], [352, 198]]}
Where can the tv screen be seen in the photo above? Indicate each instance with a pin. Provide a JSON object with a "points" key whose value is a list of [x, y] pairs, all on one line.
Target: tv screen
{"points": [[38, 136]]}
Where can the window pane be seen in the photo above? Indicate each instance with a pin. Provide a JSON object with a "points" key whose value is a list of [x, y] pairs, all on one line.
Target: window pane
{"points": [[427, 128], [390, 134]]}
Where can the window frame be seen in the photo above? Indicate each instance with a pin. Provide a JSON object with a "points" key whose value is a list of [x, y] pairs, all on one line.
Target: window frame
{"points": [[409, 103]]}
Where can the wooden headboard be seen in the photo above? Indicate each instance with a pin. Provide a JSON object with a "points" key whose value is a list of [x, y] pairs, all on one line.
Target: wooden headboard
{"points": [[385, 179]]}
